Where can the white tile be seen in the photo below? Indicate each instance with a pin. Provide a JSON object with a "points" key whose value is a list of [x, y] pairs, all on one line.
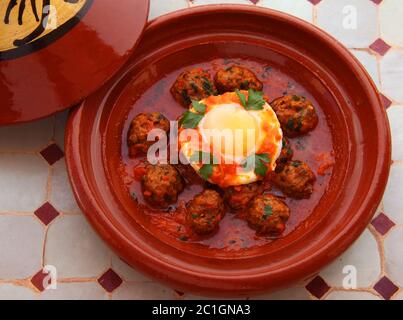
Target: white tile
{"points": [[370, 64], [60, 126], [23, 180], [395, 115], [391, 16], [394, 255], [126, 272], [352, 295], [300, 9], [393, 198], [392, 74], [74, 249], [142, 291], [75, 291], [352, 22], [32, 136], [161, 7], [13, 292], [21, 239], [205, 2], [61, 195], [363, 255], [294, 293]]}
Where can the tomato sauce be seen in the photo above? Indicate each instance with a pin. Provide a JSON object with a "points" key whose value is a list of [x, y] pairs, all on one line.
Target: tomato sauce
{"points": [[316, 149]]}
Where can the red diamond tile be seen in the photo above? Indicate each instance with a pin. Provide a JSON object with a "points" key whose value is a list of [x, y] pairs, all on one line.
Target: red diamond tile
{"points": [[377, 1], [382, 224], [318, 287], [386, 288], [47, 213], [37, 280], [385, 101], [254, 1], [314, 2], [110, 280], [52, 153], [380, 46]]}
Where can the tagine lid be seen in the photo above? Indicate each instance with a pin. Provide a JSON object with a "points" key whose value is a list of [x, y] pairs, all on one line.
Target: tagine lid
{"points": [[54, 53]]}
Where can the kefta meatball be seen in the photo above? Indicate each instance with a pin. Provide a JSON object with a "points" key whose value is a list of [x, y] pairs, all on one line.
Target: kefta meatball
{"points": [[161, 185], [296, 114], [286, 153], [295, 179], [230, 79], [238, 197], [205, 212], [140, 126], [268, 214], [195, 84]]}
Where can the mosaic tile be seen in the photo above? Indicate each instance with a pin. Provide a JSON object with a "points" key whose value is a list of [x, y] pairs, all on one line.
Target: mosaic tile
{"points": [[160, 7], [362, 258], [23, 180], [393, 245], [13, 292], [61, 195], [110, 280], [26, 137], [46, 213], [380, 47], [74, 249], [21, 239], [391, 66], [318, 287], [385, 288], [300, 9], [52, 153], [352, 22], [395, 115], [382, 223], [390, 15], [393, 198], [75, 291]]}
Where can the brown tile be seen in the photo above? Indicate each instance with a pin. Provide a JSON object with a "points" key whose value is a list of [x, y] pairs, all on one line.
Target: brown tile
{"points": [[382, 224], [110, 280], [386, 288], [385, 101], [37, 280], [46, 213], [377, 1], [380, 46], [314, 2], [317, 287], [52, 153]]}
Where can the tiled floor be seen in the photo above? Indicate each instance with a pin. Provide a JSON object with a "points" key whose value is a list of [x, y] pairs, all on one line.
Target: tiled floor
{"points": [[40, 223]]}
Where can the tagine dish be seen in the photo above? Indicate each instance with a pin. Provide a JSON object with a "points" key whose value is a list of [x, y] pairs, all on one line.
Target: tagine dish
{"points": [[234, 190], [239, 150]]}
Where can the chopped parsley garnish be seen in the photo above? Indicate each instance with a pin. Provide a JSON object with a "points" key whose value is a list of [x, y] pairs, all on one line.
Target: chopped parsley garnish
{"points": [[208, 161], [255, 99], [208, 86], [206, 171], [191, 120], [268, 211], [260, 161], [199, 107]]}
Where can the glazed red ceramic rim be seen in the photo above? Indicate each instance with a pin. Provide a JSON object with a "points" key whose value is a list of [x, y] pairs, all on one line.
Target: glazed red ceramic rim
{"points": [[148, 259], [55, 71]]}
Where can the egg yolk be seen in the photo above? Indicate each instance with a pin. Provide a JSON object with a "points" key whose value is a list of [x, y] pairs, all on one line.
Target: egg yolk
{"points": [[231, 130]]}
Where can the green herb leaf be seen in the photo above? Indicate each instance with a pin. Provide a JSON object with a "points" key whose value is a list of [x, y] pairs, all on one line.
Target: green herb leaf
{"points": [[268, 211], [242, 98], [190, 120], [255, 100], [199, 107], [260, 163], [206, 171]]}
